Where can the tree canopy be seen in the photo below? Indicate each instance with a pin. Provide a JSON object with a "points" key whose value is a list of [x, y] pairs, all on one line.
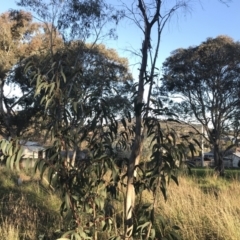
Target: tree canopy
{"points": [[86, 92], [42, 43], [207, 79], [83, 93], [20, 37]]}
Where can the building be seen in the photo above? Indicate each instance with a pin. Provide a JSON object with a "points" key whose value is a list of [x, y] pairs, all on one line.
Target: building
{"points": [[31, 152], [235, 159]]}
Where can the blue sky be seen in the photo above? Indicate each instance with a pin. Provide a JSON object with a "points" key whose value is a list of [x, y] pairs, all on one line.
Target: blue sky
{"points": [[207, 18]]}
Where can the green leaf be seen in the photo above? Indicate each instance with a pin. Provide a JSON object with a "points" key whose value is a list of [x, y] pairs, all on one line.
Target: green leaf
{"points": [[162, 221], [101, 204], [52, 88], [44, 168], [141, 227], [50, 175], [9, 149], [129, 117], [67, 201], [152, 215], [146, 205], [39, 88], [38, 79], [19, 154], [75, 106], [54, 180], [40, 166], [175, 236], [63, 75], [104, 226], [48, 103], [4, 145], [18, 158], [164, 192], [124, 123], [175, 227], [27, 66], [12, 160], [8, 162], [197, 142], [152, 234], [82, 233], [76, 236], [174, 178], [36, 166]]}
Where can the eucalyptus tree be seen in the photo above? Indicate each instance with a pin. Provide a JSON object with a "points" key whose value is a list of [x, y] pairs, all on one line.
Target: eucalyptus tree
{"points": [[83, 88], [75, 86], [206, 78], [78, 87], [72, 83], [20, 37], [76, 19], [23, 38], [150, 17]]}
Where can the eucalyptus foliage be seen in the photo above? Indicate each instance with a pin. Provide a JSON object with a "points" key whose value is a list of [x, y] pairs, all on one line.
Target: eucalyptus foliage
{"points": [[97, 123], [86, 207], [206, 79]]}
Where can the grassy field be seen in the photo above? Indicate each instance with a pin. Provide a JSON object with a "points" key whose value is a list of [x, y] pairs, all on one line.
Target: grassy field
{"points": [[203, 172], [203, 206], [27, 211]]}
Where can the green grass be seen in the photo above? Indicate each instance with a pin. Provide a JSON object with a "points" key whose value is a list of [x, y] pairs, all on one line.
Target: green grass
{"points": [[205, 172]]}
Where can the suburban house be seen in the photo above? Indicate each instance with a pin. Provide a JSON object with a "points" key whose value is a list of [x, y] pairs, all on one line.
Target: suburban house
{"points": [[228, 161], [235, 159], [209, 160], [31, 152]]}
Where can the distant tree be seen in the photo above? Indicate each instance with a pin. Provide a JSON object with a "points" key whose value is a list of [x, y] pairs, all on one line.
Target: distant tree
{"points": [[207, 80], [36, 40], [73, 82], [76, 19], [19, 38]]}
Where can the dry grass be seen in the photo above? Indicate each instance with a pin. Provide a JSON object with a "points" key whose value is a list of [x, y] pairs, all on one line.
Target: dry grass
{"points": [[9, 231], [205, 210], [26, 211]]}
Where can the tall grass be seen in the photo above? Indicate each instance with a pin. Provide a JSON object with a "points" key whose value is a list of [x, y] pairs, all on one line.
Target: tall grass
{"points": [[9, 231], [27, 211], [204, 209]]}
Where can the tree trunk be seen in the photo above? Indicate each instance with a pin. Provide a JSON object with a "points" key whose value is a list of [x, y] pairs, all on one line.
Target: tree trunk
{"points": [[139, 137], [5, 115], [218, 159], [130, 195]]}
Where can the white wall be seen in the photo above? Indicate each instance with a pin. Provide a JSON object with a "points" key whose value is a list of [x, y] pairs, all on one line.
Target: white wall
{"points": [[235, 160]]}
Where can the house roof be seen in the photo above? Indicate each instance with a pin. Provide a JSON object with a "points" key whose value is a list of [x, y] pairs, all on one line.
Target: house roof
{"points": [[29, 148], [29, 143], [209, 153]]}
